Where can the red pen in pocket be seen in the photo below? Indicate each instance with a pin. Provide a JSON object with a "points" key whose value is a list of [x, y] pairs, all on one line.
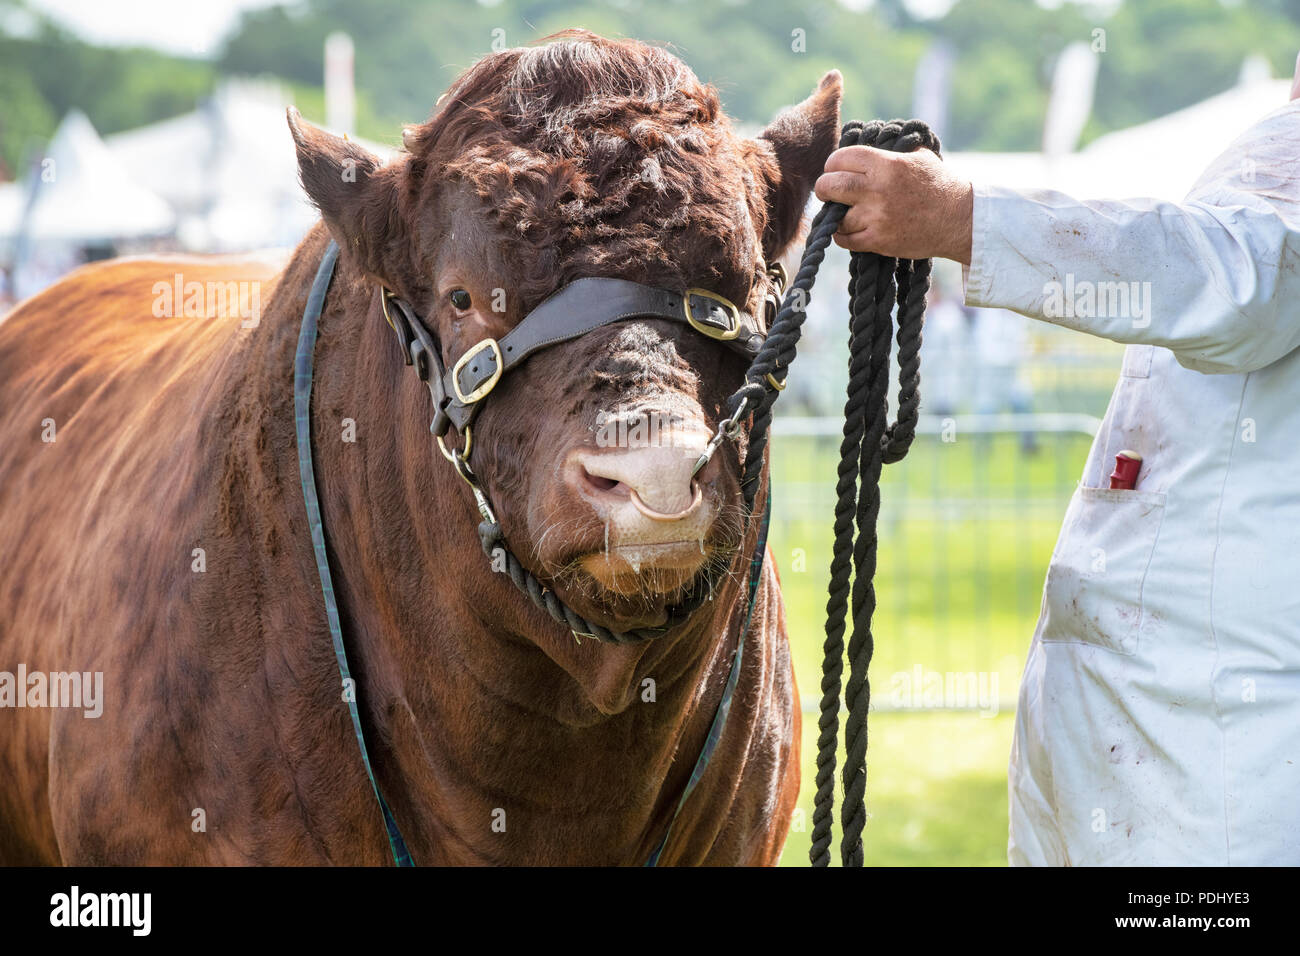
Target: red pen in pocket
{"points": [[1127, 465]]}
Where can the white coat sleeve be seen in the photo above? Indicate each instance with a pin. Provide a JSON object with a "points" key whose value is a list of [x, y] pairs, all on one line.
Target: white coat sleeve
{"points": [[1216, 278]]}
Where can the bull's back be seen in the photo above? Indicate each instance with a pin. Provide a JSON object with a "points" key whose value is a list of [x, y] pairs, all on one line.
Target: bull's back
{"points": [[104, 379], [107, 339]]}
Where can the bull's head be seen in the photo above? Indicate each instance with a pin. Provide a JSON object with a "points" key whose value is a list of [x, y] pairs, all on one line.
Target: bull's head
{"points": [[587, 157]]}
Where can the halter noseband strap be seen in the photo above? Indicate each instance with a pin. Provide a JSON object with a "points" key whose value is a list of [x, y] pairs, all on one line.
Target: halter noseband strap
{"points": [[582, 306]]}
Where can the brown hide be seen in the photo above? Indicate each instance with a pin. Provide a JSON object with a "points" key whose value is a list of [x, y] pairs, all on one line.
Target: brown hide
{"points": [[221, 691]]}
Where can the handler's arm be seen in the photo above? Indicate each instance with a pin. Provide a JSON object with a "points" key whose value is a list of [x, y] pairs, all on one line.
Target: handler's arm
{"points": [[1216, 279]]}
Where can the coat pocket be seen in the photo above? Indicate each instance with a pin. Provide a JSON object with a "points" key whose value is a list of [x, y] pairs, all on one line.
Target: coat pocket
{"points": [[1137, 361], [1093, 593]]}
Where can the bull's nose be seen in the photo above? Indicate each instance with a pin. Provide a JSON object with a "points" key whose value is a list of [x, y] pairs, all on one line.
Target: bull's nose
{"points": [[655, 479]]}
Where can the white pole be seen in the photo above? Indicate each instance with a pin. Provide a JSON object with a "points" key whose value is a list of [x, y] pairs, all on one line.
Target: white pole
{"points": [[340, 93]]}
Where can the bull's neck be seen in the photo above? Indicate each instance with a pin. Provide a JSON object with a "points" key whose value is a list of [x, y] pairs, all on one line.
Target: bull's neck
{"points": [[455, 667]]}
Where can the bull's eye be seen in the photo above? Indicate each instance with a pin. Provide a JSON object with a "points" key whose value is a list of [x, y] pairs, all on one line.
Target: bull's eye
{"points": [[460, 299]]}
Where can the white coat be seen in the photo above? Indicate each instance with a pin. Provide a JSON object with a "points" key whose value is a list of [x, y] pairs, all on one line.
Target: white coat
{"points": [[1159, 715]]}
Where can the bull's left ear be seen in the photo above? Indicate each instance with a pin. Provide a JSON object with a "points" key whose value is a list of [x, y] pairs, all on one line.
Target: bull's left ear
{"points": [[355, 193], [800, 139]]}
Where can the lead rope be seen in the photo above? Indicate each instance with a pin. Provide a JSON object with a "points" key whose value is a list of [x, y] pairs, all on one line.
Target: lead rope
{"points": [[876, 284]]}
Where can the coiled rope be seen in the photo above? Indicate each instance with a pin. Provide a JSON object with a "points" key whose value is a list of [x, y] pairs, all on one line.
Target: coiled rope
{"points": [[876, 284]]}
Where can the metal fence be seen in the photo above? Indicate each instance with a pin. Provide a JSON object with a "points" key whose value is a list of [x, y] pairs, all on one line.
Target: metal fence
{"points": [[967, 526]]}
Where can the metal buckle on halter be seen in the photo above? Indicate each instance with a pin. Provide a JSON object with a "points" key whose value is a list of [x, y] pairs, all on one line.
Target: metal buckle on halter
{"points": [[720, 319], [772, 301], [779, 276], [486, 381]]}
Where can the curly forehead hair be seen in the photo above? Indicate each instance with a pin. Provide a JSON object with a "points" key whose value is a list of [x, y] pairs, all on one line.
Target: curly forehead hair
{"points": [[597, 156]]}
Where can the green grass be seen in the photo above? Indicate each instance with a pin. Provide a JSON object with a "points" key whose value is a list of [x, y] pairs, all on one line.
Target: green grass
{"points": [[966, 532], [936, 791]]}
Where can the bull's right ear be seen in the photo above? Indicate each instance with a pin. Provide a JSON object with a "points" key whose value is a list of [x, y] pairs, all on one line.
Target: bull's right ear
{"points": [[799, 140], [356, 195]]}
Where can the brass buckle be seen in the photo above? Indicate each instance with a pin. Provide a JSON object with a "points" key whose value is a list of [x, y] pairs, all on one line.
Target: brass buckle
{"points": [[489, 345], [721, 335], [776, 270]]}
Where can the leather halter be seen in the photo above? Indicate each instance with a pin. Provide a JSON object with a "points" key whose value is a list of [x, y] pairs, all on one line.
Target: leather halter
{"points": [[582, 306]]}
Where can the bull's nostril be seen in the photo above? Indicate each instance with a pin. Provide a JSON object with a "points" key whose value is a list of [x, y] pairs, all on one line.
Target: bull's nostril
{"points": [[654, 480], [599, 482]]}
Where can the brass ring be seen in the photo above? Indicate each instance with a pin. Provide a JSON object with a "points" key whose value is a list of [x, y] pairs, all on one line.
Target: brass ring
{"points": [[463, 454]]}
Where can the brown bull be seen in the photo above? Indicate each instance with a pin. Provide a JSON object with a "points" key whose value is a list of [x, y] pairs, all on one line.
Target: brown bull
{"points": [[154, 530]]}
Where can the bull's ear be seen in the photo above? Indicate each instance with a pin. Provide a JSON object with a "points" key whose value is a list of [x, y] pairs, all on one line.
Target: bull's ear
{"points": [[800, 139], [355, 193]]}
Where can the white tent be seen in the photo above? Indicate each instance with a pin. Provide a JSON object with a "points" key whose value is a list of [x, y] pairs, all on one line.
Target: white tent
{"points": [[1160, 159], [229, 169], [80, 194], [1165, 157], [173, 156]]}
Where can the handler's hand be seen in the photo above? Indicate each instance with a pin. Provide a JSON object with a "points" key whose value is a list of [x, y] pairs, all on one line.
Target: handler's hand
{"points": [[906, 205]]}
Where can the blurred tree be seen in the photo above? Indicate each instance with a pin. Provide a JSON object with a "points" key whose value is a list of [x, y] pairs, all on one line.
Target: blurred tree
{"points": [[1160, 55], [262, 46], [117, 88], [762, 54], [27, 122]]}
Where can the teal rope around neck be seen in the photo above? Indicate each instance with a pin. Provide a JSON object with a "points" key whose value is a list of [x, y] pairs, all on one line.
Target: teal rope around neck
{"points": [[302, 372]]}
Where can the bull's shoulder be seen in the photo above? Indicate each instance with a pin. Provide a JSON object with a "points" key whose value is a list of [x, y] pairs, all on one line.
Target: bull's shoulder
{"points": [[262, 267]]}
